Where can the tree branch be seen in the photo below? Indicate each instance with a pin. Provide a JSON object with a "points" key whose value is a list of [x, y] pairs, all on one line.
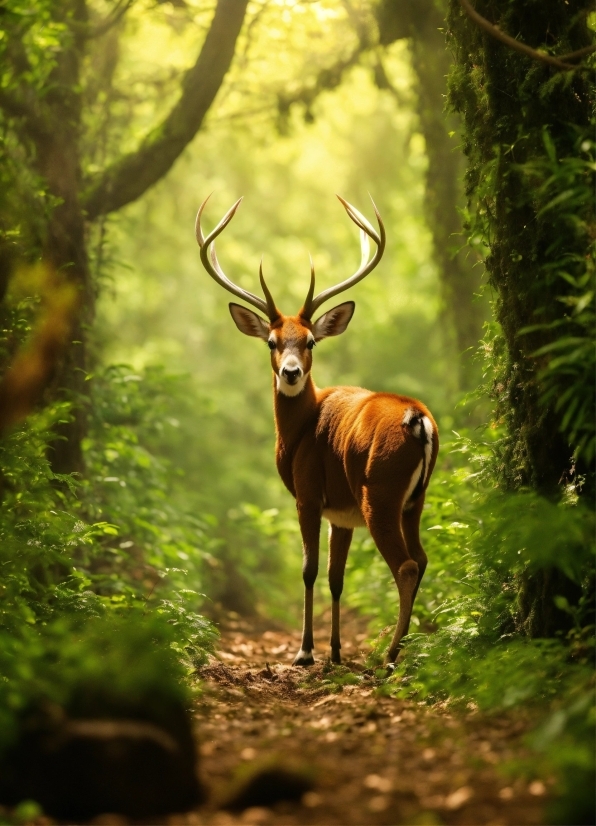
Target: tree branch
{"points": [[87, 31], [122, 6], [578, 54], [496, 32], [128, 178], [326, 79], [382, 81]]}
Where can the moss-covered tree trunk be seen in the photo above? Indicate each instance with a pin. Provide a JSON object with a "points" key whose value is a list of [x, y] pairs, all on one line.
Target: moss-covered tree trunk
{"points": [[523, 121], [64, 248], [46, 116]]}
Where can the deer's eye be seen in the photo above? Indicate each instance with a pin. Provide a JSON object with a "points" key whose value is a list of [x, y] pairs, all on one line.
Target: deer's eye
{"points": [[271, 344], [310, 344]]}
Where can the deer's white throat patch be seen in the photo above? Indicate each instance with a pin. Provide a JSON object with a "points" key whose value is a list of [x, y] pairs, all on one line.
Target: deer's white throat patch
{"points": [[290, 389]]}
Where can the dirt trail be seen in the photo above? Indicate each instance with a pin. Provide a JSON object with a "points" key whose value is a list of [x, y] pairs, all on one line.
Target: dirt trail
{"points": [[371, 759]]}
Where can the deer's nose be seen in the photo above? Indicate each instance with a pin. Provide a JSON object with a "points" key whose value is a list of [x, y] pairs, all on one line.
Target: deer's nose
{"points": [[291, 374]]}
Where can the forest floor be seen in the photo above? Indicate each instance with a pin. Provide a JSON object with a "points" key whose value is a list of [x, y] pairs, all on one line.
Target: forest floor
{"points": [[346, 755]]}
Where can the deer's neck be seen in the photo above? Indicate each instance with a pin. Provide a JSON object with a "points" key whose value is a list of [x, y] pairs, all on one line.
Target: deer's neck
{"points": [[293, 413]]}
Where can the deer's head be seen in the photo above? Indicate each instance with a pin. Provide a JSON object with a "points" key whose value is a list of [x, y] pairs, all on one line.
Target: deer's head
{"points": [[291, 339]]}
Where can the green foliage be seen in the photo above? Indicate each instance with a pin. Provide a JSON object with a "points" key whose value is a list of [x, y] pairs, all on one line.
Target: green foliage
{"points": [[332, 678], [103, 574], [263, 548], [529, 561], [550, 679], [528, 137], [477, 656], [501, 539], [95, 602], [568, 363], [462, 664], [565, 743], [98, 666], [130, 484], [445, 526], [66, 541], [37, 533]]}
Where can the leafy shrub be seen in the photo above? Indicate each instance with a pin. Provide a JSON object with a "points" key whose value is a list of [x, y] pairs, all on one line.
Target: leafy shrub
{"points": [[131, 485], [444, 529], [477, 655], [97, 666], [260, 561], [564, 744], [95, 602], [565, 186]]}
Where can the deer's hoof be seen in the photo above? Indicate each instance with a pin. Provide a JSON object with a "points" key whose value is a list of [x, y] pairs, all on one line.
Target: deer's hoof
{"points": [[335, 657], [304, 658]]}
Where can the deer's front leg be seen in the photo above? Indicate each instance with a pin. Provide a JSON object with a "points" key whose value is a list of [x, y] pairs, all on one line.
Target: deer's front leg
{"points": [[309, 517], [339, 545]]}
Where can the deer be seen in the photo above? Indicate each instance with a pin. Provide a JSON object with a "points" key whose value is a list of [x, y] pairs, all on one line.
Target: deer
{"points": [[355, 457]]}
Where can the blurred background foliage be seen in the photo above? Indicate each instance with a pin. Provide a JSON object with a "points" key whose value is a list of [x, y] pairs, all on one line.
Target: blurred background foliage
{"points": [[141, 489], [165, 310]]}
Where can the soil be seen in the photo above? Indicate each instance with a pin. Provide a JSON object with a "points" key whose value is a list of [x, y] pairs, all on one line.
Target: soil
{"points": [[346, 754]]}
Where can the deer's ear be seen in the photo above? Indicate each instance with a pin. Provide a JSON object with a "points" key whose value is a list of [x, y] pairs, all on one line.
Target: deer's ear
{"points": [[333, 322], [249, 323]]}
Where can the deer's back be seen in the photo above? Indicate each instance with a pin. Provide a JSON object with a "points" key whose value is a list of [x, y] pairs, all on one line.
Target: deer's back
{"points": [[372, 439]]}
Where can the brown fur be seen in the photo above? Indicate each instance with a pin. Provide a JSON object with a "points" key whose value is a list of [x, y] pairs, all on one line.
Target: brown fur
{"points": [[347, 450], [344, 453]]}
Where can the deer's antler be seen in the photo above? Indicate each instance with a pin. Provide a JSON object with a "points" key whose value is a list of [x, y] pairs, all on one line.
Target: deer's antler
{"points": [[366, 231], [213, 267]]}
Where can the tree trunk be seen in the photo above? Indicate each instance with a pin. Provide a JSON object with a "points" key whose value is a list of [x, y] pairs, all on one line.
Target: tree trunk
{"points": [[64, 246], [507, 100], [65, 250], [516, 110], [423, 23], [50, 126], [537, 613]]}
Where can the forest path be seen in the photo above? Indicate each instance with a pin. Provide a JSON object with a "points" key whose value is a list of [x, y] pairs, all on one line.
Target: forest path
{"points": [[371, 759]]}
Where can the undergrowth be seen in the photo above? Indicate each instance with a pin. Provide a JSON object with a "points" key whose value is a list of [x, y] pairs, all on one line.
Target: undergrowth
{"points": [[96, 570], [466, 645], [477, 655]]}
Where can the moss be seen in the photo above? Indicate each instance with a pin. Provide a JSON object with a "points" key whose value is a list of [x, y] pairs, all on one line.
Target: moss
{"points": [[530, 202], [509, 103]]}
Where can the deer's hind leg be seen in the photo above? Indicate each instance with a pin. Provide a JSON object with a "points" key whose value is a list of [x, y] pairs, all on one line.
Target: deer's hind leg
{"points": [[411, 530], [339, 545], [383, 514]]}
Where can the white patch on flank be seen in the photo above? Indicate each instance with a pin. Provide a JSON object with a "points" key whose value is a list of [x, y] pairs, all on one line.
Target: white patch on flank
{"points": [[428, 447], [407, 417], [345, 519], [413, 482]]}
